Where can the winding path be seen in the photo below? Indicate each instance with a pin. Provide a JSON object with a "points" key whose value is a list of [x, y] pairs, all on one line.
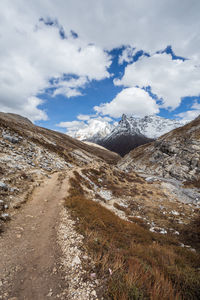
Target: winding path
{"points": [[29, 255]]}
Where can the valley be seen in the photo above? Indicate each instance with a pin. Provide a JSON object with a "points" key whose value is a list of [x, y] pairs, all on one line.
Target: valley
{"points": [[80, 222]]}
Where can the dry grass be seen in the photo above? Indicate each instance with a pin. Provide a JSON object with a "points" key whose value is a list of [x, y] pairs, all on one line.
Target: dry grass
{"points": [[144, 265], [190, 234], [191, 184]]}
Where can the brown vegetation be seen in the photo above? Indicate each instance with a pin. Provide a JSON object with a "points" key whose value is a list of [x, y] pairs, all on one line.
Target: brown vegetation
{"points": [[135, 263], [191, 184]]}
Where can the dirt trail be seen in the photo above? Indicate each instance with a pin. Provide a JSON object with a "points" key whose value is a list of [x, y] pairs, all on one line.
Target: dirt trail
{"points": [[29, 254]]}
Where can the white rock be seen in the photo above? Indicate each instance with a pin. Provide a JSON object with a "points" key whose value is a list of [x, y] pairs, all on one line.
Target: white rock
{"points": [[76, 261], [93, 293], [175, 213]]}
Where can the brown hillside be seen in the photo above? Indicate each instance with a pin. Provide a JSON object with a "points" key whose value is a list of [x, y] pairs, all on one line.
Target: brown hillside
{"points": [[57, 142]]}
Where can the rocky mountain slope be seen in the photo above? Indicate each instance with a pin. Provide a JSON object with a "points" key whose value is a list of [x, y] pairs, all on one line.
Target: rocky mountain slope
{"points": [[124, 143], [28, 152], [175, 154]]}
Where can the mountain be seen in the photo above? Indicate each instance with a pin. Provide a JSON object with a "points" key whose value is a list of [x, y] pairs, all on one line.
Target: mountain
{"points": [[150, 126], [132, 132], [124, 137], [128, 134], [93, 132], [175, 154]]}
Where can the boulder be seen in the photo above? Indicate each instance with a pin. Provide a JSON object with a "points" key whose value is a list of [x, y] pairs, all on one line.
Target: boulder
{"points": [[10, 138]]}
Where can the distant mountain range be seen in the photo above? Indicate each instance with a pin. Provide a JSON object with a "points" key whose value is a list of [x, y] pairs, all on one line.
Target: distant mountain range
{"points": [[129, 133]]}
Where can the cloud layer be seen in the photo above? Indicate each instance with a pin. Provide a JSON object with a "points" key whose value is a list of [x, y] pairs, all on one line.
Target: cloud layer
{"points": [[150, 25], [169, 79], [191, 114], [129, 101], [33, 53]]}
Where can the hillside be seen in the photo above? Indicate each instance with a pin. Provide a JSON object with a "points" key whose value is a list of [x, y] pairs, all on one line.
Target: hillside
{"points": [[54, 141], [124, 143], [175, 154], [78, 223]]}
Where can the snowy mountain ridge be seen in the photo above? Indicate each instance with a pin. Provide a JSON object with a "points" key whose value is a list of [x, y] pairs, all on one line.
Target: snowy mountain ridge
{"points": [[149, 126], [94, 131]]}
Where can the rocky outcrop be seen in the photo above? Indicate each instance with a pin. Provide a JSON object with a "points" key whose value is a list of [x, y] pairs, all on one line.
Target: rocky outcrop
{"points": [[176, 154]]}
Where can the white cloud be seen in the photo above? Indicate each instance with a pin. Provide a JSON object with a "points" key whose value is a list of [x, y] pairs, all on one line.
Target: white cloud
{"points": [[190, 114], [150, 25], [105, 118], [130, 101], [31, 55], [169, 79], [83, 117], [28, 108], [73, 125], [127, 55], [89, 118], [32, 111], [196, 105], [69, 88]]}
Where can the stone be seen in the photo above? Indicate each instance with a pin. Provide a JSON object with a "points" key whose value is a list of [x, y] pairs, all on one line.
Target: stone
{"points": [[5, 217], [3, 186], [93, 293], [149, 179], [12, 139], [76, 261]]}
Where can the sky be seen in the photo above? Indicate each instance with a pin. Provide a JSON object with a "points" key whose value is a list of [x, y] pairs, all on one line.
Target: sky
{"points": [[65, 64]]}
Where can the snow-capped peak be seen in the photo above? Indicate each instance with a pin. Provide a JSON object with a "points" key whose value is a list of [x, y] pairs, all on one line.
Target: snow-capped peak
{"points": [[154, 126], [94, 130]]}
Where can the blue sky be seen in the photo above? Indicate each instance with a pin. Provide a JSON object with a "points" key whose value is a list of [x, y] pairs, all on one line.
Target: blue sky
{"points": [[67, 64]]}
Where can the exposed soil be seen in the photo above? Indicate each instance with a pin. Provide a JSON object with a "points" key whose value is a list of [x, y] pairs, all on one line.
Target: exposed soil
{"points": [[29, 265]]}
